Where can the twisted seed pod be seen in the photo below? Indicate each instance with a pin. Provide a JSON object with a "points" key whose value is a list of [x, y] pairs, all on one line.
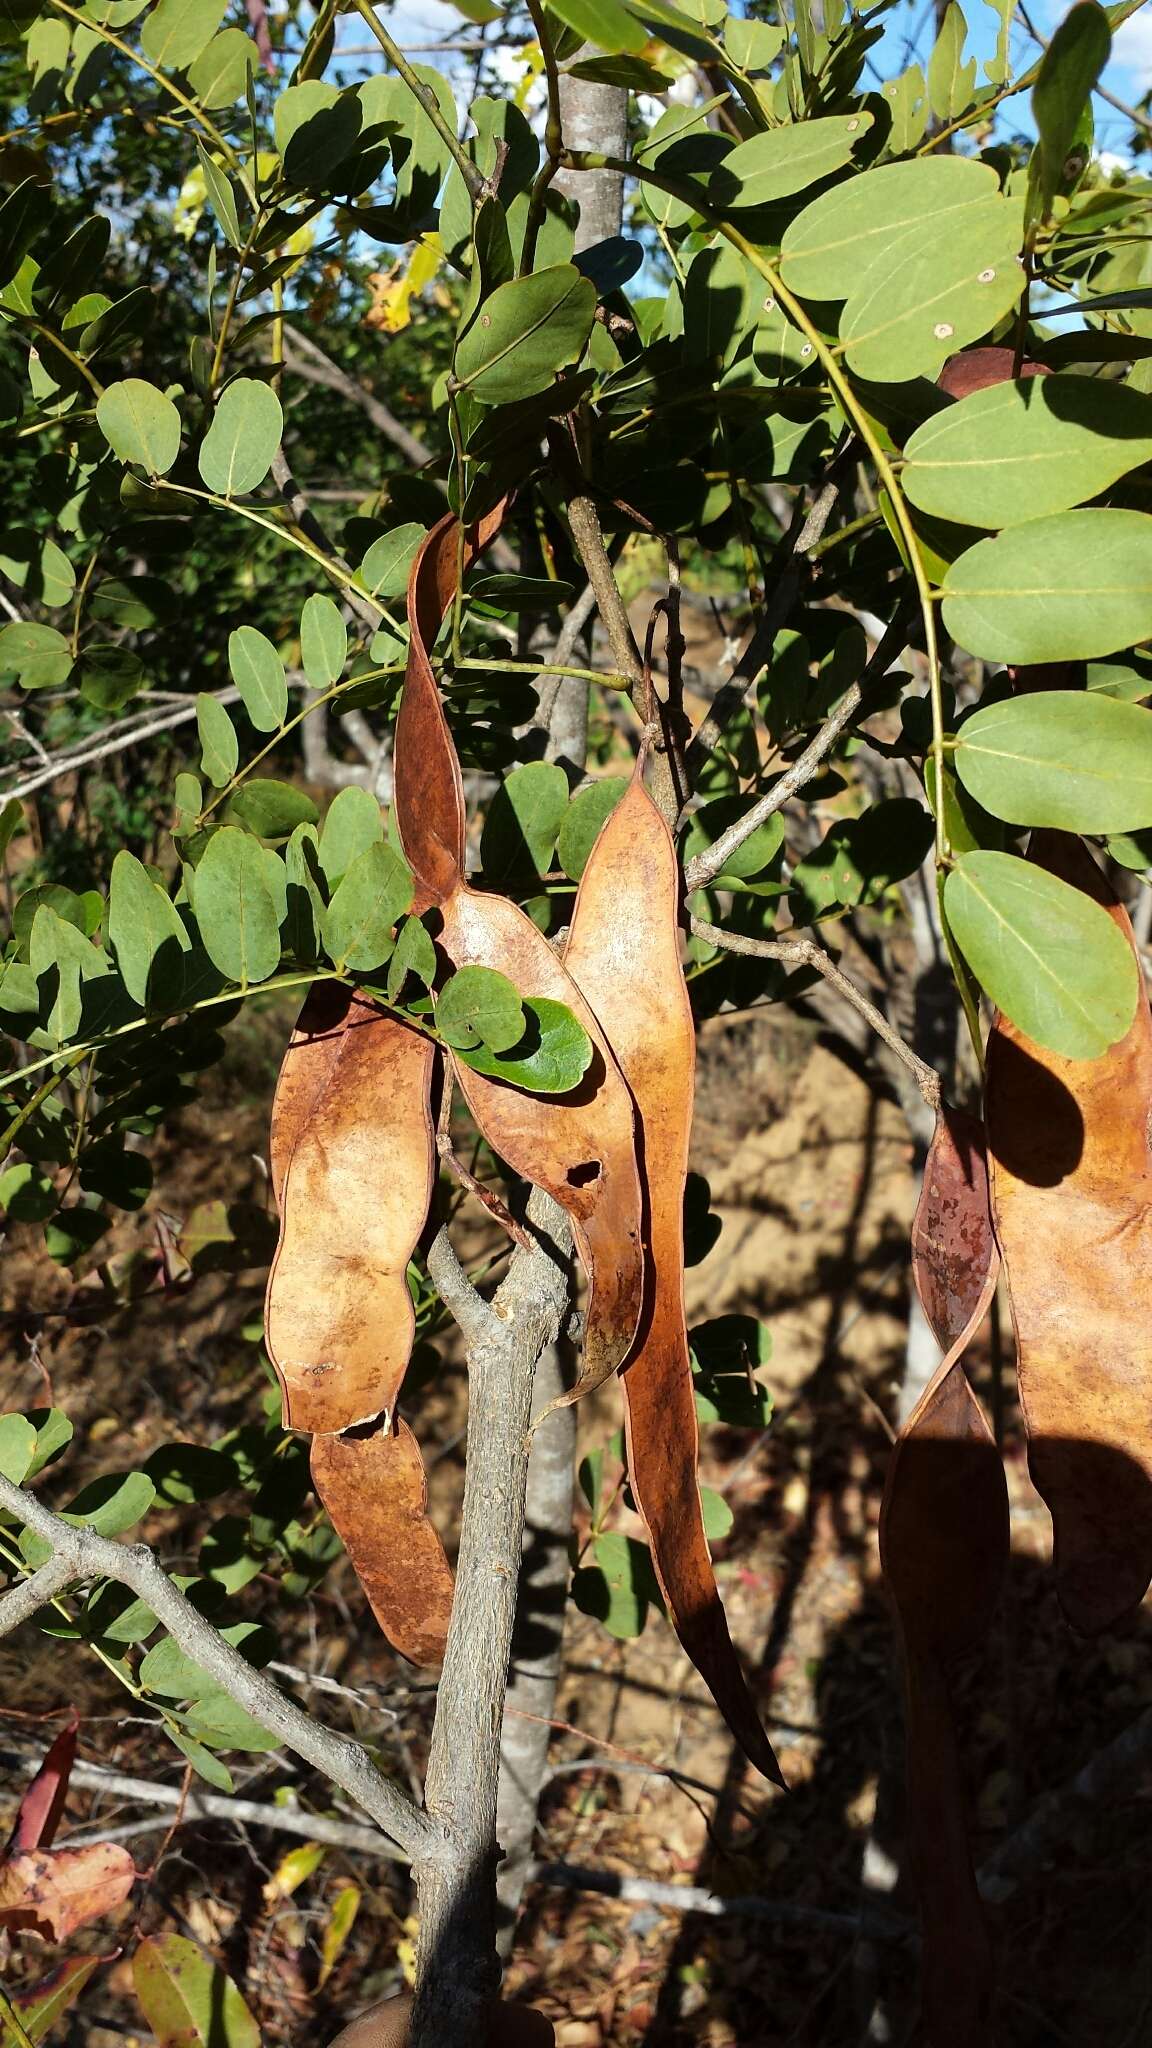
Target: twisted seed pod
{"points": [[944, 1539], [1072, 1196], [624, 951], [581, 1148]]}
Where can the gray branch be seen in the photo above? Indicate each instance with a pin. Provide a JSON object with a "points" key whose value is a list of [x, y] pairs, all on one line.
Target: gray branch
{"points": [[80, 1554]]}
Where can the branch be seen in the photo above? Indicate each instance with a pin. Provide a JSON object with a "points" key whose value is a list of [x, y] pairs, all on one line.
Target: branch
{"points": [[305, 359], [710, 863], [102, 745], [458, 1971], [81, 1554], [473, 1315], [584, 522], [200, 1804], [806, 953], [296, 498]]}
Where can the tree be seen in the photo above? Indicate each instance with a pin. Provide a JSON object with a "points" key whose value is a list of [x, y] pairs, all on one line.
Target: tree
{"points": [[829, 363]]}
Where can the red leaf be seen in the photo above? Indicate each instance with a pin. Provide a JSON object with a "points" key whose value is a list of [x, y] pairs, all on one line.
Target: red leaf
{"points": [[43, 1802]]}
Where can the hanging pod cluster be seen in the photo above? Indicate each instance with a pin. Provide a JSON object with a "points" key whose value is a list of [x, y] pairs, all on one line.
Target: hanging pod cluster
{"points": [[1056, 1182], [353, 1171]]}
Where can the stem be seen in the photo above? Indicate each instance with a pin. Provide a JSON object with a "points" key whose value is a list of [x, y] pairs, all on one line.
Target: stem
{"points": [[230, 302], [340, 576], [76, 361], [553, 142], [426, 100], [314, 704]]}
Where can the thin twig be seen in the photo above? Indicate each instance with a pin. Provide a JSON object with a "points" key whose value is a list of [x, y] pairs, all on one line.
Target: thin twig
{"points": [[490, 1200], [711, 862], [80, 1554], [806, 953]]}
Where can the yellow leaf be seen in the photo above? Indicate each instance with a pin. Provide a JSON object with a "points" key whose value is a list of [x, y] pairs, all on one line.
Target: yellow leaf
{"points": [[293, 1870], [393, 290], [344, 1911], [190, 203], [406, 1950]]}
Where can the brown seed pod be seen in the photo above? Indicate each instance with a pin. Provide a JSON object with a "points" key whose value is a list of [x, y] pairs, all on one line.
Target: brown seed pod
{"points": [[944, 1540], [1072, 1197], [353, 1157], [581, 1147], [373, 1486], [953, 1244], [624, 951], [312, 1052]]}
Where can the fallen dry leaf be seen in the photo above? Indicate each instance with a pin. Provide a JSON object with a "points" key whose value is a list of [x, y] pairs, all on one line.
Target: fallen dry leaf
{"points": [[43, 1803], [354, 1158], [373, 1486], [624, 953], [55, 1891], [1072, 1195]]}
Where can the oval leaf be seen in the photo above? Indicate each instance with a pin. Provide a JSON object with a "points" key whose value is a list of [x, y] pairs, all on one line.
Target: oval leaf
{"points": [[234, 907], [1046, 955], [258, 674], [786, 160], [236, 452], [187, 2000], [1060, 589], [140, 424], [525, 333], [1066, 758]]}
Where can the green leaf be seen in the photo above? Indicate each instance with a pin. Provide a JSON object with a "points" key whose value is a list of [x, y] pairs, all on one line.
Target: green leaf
{"points": [[951, 82], [305, 903], [176, 31], [619, 1589], [42, 2004], [220, 73], [785, 160], [235, 909], [17, 1447], [109, 675], [602, 22], [221, 196], [353, 823], [216, 1719], [375, 892], [388, 563], [140, 424], [188, 1472], [323, 642], [552, 1057], [583, 820], [479, 1005], [37, 566], [1060, 589], [236, 452], [53, 1435], [1130, 679], [413, 953], [38, 656], [1069, 68], [258, 673], [757, 851], [187, 2000], [526, 333], [203, 1762], [316, 127], [11, 821], [1062, 758], [1043, 952], [145, 929], [932, 293], [1020, 451], [830, 247], [26, 1194], [112, 1504], [523, 821], [272, 809], [716, 1514], [219, 746]]}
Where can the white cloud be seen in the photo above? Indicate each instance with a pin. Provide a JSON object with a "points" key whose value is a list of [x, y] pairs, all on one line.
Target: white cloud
{"points": [[1132, 47]]}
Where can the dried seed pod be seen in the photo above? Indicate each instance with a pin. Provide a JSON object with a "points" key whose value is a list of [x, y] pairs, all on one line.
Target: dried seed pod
{"points": [[624, 951], [1072, 1196], [954, 1247], [944, 1540], [429, 792], [312, 1052], [373, 1486], [581, 1148], [354, 1199]]}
